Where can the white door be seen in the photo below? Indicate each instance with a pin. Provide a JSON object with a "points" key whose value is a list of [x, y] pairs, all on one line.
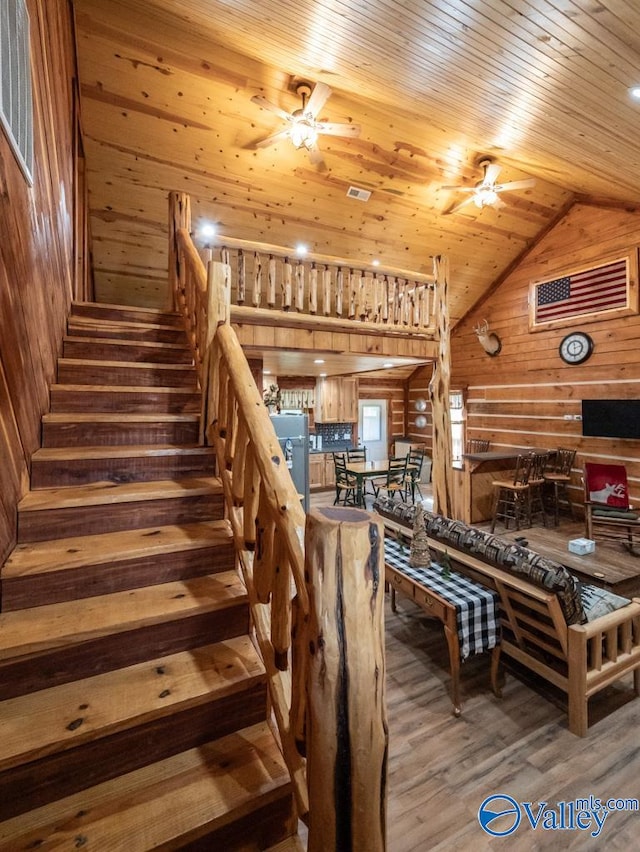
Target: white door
{"points": [[372, 427]]}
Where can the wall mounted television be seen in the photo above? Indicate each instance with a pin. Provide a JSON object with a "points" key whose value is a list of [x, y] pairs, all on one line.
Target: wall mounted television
{"points": [[611, 418]]}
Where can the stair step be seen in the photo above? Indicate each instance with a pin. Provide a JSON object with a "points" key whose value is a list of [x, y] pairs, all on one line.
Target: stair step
{"points": [[290, 844], [57, 643], [89, 430], [126, 313], [65, 466], [73, 371], [127, 400], [37, 725], [48, 572], [52, 513], [126, 350], [89, 327], [229, 794]]}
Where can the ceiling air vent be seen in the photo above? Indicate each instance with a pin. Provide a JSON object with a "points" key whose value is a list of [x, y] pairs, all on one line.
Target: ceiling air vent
{"points": [[360, 194]]}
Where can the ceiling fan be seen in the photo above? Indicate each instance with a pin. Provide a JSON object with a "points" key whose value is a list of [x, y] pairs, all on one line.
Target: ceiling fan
{"points": [[303, 127], [486, 193]]}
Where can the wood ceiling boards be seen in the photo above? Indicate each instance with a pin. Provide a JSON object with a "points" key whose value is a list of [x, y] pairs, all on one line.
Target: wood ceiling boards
{"points": [[541, 85]]}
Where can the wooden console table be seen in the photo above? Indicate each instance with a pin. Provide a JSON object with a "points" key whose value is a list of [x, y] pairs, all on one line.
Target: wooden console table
{"points": [[467, 610]]}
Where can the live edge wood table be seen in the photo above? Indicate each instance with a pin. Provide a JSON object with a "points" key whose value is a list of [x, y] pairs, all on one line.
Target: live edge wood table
{"points": [[467, 610]]}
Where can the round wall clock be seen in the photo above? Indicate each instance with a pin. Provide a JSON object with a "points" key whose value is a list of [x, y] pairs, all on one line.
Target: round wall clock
{"points": [[576, 347]]}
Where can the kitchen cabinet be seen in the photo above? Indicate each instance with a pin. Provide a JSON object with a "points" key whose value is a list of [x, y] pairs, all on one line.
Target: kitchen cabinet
{"points": [[329, 471], [336, 400], [316, 471]]}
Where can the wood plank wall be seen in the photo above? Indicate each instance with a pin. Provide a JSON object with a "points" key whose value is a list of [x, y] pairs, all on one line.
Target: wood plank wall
{"points": [[418, 388], [37, 260], [520, 397]]}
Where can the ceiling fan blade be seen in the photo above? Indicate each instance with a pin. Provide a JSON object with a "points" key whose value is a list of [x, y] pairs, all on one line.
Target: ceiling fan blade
{"points": [[492, 172], [265, 104], [271, 140], [330, 128], [516, 184], [459, 188], [317, 99], [460, 205], [315, 156]]}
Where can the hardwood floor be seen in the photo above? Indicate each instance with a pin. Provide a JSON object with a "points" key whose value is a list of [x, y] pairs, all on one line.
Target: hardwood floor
{"points": [[442, 768]]}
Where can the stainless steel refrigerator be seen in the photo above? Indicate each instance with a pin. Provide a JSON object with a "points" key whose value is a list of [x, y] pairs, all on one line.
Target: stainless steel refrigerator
{"points": [[293, 434]]}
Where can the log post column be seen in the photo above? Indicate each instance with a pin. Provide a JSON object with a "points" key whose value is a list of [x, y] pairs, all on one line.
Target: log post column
{"points": [[346, 722]]}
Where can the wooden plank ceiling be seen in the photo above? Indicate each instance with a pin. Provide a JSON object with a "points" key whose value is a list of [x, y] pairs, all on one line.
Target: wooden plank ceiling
{"points": [[539, 85]]}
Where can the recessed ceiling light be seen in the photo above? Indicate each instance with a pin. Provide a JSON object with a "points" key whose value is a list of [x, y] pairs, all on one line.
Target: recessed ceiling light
{"points": [[207, 230], [634, 91], [266, 372], [387, 364], [301, 249], [322, 375], [375, 262], [319, 361]]}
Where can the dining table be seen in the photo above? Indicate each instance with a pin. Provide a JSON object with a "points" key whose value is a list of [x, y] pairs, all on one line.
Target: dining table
{"points": [[368, 470]]}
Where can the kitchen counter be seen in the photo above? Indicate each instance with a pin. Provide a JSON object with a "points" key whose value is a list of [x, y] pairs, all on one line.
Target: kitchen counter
{"points": [[333, 448]]}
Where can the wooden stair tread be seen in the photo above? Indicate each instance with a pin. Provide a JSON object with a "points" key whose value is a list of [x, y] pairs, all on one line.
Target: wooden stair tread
{"points": [[156, 806], [119, 452], [127, 365], [92, 310], [291, 844], [64, 553], [26, 632], [134, 344], [41, 723], [120, 389], [125, 417], [96, 323], [105, 493]]}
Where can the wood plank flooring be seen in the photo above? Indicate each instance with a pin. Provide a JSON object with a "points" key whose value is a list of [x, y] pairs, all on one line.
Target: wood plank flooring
{"points": [[442, 768]]}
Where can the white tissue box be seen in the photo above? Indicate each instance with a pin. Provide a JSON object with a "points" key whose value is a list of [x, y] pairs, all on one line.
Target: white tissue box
{"points": [[581, 546]]}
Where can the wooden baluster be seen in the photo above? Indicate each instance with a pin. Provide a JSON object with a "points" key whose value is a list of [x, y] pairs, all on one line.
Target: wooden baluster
{"points": [[238, 464], [286, 285], [251, 498], [326, 291], [271, 282], [362, 297], [299, 673], [377, 303], [395, 310], [419, 301], [347, 739], [313, 290], [232, 423], [339, 291], [428, 302], [353, 294], [222, 399], [281, 606], [299, 286], [242, 277], [256, 296], [264, 561], [385, 299], [224, 255]]}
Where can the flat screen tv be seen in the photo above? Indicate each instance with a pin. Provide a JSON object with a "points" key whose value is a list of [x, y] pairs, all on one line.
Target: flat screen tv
{"points": [[611, 418]]}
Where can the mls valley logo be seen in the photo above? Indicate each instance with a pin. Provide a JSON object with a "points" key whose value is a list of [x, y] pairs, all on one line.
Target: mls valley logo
{"points": [[501, 815]]}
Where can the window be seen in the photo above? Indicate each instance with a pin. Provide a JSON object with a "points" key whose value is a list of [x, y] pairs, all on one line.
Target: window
{"points": [[457, 417], [371, 423], [16, 108]]}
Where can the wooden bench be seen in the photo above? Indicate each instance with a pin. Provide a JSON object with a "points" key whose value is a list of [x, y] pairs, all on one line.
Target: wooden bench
{"points": [[579, 659]]}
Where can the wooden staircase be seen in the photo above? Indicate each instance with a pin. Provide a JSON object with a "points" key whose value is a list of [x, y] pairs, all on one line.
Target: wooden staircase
{"points": [[133, 702]]}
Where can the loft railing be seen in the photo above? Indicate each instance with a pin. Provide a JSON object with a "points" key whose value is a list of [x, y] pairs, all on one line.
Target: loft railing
{"points": [[266, 279], [315, 584]]}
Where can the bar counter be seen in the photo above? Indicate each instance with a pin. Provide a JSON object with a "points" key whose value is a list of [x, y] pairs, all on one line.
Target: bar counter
{"points": [[473, 498]]}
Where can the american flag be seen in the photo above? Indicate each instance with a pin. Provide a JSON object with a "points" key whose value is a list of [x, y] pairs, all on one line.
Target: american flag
{"points": [[599, 289]]}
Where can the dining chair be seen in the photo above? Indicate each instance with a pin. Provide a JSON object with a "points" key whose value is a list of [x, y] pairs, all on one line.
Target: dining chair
{"points": [[344, 482], [394, 483], [557, 476], [607, 511], [415, 458], [357, 454]]}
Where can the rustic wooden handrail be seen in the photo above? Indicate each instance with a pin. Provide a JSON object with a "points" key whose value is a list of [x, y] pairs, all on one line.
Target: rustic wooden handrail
{"points": [[294, 599], [270, 279]]}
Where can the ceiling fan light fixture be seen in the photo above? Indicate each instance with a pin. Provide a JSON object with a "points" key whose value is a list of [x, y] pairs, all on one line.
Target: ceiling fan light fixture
{"points": [[485, 197], [303, 134]]}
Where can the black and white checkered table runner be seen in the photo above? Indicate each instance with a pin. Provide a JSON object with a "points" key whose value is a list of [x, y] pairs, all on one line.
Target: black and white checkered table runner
{"points": [[476, 607]]}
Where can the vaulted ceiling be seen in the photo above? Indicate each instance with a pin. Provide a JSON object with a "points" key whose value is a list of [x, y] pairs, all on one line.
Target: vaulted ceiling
{"points": [[539, 85]]}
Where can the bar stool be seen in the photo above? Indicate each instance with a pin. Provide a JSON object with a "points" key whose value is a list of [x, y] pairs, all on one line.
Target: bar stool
{"points": [[557, 476], [520, 498]]}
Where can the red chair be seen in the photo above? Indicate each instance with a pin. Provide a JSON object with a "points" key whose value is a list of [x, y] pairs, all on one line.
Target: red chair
{"points": [[607, 512]]}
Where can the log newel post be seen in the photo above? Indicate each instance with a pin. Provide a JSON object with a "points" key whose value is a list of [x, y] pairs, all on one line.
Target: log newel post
{"points": [[346, 736], [442, 476], [179, 217]]}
